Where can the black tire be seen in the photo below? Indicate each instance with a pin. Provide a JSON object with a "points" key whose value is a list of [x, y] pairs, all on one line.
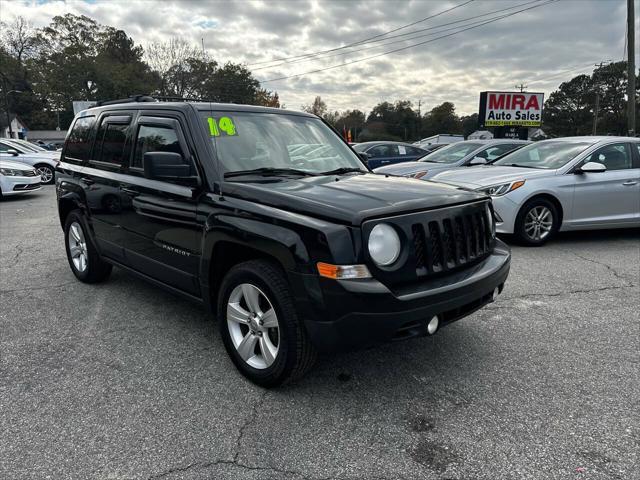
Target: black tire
{"points": [[522, 230], [296, 354], [96, 269], [48, 168]]}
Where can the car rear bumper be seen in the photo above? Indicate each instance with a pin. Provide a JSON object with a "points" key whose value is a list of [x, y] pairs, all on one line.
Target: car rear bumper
{"points": [[343, 315]]}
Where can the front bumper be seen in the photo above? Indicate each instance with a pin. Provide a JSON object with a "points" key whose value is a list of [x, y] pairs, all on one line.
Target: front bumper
{"points": [[507, 211], [14, 185], [342, 315]]}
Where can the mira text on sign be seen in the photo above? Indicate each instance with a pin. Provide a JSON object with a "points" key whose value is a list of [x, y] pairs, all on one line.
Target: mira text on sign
{"points": [[511, 108]]}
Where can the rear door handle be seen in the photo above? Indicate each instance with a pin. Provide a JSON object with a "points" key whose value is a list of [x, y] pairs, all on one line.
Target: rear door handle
{"points": [[630, 182]]}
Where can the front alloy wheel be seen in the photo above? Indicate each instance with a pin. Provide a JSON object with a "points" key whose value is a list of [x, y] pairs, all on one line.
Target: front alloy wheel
{"points": [[46, 173], [259, 324], [537, 222], [253, 326]]}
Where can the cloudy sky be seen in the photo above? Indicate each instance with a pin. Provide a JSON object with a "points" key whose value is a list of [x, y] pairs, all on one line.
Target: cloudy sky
{"points": [[541, 47]]}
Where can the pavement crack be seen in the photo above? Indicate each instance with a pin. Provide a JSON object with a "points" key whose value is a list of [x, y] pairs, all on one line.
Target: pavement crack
{"points": [[44, 287], [570, 292], [250, 419], [19, 252], [606, 265]]}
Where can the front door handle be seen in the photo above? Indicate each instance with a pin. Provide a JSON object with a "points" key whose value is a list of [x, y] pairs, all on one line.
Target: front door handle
{"points": [[87, 181], [129, 191], [628, 183]]}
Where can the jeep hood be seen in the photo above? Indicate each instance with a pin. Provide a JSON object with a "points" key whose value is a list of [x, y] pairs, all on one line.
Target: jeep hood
{"points": [[487, 175], [349, 199]]}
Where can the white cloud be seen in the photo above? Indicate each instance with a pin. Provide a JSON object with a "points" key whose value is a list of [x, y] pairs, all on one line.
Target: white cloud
{"points": [[526, 47]]}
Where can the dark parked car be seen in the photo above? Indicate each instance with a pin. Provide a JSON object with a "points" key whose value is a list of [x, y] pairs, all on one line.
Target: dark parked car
{"points": [[269, 220], [380, 154]]}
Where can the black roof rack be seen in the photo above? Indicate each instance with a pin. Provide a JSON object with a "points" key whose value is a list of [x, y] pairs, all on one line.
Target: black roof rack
{"points": [[149, 98], [132, 98]]}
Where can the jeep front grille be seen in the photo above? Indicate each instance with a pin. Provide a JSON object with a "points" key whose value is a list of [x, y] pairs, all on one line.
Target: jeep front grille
{"points": [[451, 242]]}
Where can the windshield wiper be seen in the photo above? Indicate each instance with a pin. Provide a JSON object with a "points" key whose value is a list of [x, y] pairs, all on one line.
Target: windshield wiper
{"points": [[341, 170], [514, 165], [269, 172]]}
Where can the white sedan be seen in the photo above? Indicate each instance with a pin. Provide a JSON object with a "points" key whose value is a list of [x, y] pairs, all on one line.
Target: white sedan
{"points": [[44, 162], [574, 183], [17, 178]]}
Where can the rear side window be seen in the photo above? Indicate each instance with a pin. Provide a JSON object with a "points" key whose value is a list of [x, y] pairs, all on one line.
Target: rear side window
{"points": [[78, 146], [111, 143], [155, 138]]}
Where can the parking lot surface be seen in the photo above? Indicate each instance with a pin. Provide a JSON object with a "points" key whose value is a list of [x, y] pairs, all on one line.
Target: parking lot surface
{"points": [[122, 380]]}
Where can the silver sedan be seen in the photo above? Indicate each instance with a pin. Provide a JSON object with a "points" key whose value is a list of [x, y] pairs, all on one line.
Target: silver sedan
{"points": [[576, 183], [459, 154]]}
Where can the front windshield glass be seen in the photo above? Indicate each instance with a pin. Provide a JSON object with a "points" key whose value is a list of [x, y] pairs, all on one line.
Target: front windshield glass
{"points": [[451, 153], [249, 141], [548, 154]]}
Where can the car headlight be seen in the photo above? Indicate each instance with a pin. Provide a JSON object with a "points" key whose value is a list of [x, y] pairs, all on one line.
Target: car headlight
{"points": [[10, 172], [417, 174], [502, 189], [384, 244]]}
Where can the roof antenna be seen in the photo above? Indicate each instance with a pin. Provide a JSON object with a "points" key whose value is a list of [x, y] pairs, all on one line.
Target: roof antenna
{"points": [[219, 167]]}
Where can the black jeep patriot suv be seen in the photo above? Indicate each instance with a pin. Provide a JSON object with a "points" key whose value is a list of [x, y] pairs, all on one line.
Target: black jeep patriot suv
{"points": [[268, 219]]}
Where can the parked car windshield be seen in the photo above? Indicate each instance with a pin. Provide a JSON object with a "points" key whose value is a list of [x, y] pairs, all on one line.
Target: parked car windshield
{"points": [[246, 141], [451, 153], [548, 154]]}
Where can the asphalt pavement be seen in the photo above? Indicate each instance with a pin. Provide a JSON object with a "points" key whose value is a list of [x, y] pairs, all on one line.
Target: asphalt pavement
{"points": [[123, 380]]}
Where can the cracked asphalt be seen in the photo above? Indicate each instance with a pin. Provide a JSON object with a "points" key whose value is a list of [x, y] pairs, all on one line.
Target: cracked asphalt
{"points": [[122, 380]]}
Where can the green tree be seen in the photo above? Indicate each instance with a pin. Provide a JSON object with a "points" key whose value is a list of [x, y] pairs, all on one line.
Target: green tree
{"points": [[441, 119]]}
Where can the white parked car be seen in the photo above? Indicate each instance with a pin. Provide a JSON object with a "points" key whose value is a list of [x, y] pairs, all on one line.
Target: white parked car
{"points": [[16, 178], [44, 162], [574, 183]]}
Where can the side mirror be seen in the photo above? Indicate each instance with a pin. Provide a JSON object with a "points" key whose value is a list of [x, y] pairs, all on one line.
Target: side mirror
{"points": [[591, 167], [478, 161], [13, 152], [364, 157], [165, 165]]}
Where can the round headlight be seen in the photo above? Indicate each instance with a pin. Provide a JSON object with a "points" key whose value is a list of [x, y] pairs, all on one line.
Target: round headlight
{"points": [[384, 244]]}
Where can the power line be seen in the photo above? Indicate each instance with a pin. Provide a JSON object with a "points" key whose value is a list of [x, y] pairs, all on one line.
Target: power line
{"points": [[322, 56], [408, 47], [365, 40], [573, 69]]}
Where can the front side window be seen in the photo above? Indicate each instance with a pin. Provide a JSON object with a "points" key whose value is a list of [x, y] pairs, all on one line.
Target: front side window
{"points": [[451, 153], [613, 157], [5, 147], [548, 154], [78, 146], [155, 138], [247, 141]]}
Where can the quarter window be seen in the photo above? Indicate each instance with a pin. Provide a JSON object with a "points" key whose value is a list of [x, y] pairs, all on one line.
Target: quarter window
{"points": [[155, 139], [383, 151], [78, 144], [615, 157]]}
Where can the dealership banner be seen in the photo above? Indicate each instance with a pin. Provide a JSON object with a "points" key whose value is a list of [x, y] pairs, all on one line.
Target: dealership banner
{"points": [[498, 109]]}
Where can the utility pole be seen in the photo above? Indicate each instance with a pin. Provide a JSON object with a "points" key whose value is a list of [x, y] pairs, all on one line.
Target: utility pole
{"points": [[522, 87], [6, 105], [419, 104], [594, 131], [631, 69]]}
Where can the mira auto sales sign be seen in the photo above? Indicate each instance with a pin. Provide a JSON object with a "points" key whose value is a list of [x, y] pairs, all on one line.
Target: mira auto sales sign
{"points": [[499, 109]]}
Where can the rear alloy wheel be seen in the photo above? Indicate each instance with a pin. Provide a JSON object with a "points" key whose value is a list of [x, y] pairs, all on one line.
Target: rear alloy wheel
{"points": [[537, 222], [84, 259], [47, 173], [259, 325]]}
